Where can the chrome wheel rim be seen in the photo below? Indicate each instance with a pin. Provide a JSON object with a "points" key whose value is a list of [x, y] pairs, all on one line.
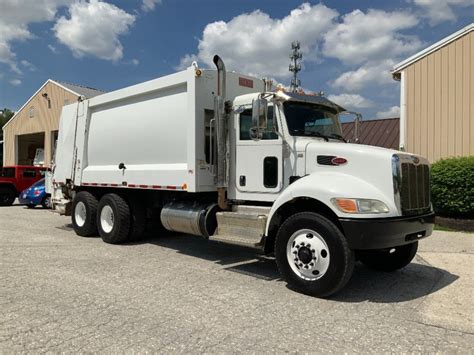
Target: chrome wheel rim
{"points": [[308, 254], [80, 214], [107, 219]]}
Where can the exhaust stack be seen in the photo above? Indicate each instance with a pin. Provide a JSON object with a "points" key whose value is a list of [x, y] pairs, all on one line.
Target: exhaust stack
{"points": [[220, 114]]}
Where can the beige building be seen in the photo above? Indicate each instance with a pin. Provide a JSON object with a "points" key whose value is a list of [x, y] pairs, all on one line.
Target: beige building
{"points": [[33, 130], [437, 98]]}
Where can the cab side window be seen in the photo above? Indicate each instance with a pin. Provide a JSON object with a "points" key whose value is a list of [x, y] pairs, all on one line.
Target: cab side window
{"points": [[246, 123], [7, 172], [29, 173]]}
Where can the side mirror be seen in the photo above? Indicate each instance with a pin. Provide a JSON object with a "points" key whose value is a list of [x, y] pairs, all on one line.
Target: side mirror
{"points": [[357, 120], [259, 114], [356, 127]]}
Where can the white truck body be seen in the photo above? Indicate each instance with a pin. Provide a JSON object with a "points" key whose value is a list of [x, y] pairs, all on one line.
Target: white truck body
{"points": [[218, 154], [156, 128]]}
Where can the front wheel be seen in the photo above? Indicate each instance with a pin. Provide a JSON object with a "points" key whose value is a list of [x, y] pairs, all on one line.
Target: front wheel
{"points": [[388, 260], [312, 254]]}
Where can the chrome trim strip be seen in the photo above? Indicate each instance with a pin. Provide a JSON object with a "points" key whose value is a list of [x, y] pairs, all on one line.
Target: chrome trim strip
{"points": [[397, 179]]}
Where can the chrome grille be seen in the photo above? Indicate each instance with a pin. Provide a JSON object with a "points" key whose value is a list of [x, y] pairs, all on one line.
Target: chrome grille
{"points": [[414, 188]]}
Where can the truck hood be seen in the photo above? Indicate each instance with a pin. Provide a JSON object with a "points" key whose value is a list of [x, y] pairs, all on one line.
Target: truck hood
{"points": [[368, 163]]}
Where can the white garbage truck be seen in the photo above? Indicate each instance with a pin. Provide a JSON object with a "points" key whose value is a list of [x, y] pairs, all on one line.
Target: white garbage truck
{"points": [[223, 156]]}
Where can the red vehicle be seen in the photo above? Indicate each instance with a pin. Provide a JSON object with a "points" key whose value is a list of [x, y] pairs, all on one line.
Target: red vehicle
{"points": [[14, 179]]}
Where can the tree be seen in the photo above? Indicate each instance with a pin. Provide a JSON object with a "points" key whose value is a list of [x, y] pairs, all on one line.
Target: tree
{"points": [[5, 115]]}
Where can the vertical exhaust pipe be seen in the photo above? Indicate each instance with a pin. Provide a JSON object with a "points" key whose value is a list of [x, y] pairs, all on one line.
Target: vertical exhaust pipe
{"points": [[220, 114]]}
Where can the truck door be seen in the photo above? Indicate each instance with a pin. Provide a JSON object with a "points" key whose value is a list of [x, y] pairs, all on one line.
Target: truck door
{"points": [[259, 164]]}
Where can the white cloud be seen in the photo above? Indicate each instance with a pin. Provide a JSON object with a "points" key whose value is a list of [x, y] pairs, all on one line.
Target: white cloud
{"points": [[53, 49], [351, 101], [149, 5], [255, 43], [186, 61], [28, 65], [371, 36], [438, 11], [368, 74], [15, 17], [393, 111], [15, 82], [93, 28], [135, 61]]}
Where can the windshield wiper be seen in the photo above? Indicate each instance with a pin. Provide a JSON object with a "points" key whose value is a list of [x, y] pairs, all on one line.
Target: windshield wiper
{"points": [[338, 136], [316, 134], [310, 133]]}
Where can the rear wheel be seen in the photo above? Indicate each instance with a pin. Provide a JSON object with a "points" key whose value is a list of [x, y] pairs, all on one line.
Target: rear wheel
{"points": [[46, 203], [84, 214], [312, 254], [7, 196], [113, 219], [388, 259]]}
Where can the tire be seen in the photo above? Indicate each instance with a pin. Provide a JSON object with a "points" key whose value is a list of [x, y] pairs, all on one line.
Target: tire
{"points": [[308, 235], [7, 196], [138, 220], [388, 260], [84, 214], [46, 203], [113, 219]]}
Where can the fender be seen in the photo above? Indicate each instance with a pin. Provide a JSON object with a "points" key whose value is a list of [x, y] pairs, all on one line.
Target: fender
{"points": [[323, 186]]}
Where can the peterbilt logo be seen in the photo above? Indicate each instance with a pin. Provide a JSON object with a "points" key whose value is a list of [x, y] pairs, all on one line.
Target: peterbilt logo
{"points": [[416, 160]]}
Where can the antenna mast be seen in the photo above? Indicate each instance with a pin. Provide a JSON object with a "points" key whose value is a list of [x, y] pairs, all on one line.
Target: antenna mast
{"points": [[295, 65]]}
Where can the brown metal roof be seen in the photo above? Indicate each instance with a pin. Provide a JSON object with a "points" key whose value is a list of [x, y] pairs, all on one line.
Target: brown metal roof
{"points": [[382, 133]]}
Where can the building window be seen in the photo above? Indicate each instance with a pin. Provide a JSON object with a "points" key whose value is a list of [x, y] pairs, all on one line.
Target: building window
{"points": [[32, 112]]}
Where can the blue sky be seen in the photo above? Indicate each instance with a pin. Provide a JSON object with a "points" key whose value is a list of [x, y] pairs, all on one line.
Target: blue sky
{"points": [[348, 46]]}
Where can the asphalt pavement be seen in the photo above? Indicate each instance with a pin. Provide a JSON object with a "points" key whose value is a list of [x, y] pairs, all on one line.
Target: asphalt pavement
{"points": [[176, 293]]}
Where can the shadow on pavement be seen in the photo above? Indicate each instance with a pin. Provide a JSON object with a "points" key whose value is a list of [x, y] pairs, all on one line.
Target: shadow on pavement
{"points": [[414, 281], [232, 258]]}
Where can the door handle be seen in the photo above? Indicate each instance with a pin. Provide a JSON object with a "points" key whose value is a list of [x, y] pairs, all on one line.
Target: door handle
{"points": [[242, 180]]}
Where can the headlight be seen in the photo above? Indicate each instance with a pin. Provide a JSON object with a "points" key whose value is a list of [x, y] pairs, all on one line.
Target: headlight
{"points": [[359, 205]]}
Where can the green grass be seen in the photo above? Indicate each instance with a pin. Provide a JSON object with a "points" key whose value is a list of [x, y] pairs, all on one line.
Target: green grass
{"points": [[444, 229]]}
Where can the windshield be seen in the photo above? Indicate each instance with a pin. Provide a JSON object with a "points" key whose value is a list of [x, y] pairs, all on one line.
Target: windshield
{"points": [[38, 183], [305, 119]]}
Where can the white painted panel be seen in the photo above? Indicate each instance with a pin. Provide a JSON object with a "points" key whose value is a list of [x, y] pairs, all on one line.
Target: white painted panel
{"points": [[146, 132], [65, 152]]}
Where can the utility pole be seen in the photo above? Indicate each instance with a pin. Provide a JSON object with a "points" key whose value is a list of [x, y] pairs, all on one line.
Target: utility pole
{"points": [[295, 65]]}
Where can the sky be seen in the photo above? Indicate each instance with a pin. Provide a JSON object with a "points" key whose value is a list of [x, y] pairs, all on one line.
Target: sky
{"points": [[349, 47]]}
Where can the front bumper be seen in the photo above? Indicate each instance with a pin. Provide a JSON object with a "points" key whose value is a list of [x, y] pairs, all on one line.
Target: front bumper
{"points": [[380, 233]]}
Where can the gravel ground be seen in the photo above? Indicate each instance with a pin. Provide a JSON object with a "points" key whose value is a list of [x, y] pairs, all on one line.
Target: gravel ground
{"points": [[63, 293]]}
